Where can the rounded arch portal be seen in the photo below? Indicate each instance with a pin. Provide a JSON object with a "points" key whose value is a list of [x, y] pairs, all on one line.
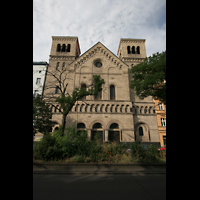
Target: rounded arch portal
{"points": [[97, 130], [114, 133]]}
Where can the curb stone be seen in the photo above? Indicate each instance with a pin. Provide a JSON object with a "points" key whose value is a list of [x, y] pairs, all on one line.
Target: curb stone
{"points": [[92, 168]]}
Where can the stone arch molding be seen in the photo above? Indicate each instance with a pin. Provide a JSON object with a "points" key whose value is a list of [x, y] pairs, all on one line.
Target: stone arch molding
{"points": [[96, 121], [84, 122], [114, 121], [142, 123]]}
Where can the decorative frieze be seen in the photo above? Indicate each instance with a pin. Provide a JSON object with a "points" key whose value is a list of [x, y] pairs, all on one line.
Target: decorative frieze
{"points": [[61, 57]]}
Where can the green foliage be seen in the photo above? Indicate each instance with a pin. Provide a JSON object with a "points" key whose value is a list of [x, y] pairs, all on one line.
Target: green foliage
{"points": [[77, 159], [137, 151], [139, 154], [47, 149], [77, 148], [148, 77], [41, 116]]}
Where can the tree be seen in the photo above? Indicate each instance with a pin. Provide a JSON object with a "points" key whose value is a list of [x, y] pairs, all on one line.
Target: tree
{"points": [[149, 77], [41, 116], [59, 81], [67, 102]]}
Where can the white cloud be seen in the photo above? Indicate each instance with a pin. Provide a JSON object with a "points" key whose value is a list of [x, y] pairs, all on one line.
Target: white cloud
{"points": [[92, 20]]}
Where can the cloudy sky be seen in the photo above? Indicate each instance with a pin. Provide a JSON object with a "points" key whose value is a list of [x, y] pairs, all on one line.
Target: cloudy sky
{"points": [[98, 20]]}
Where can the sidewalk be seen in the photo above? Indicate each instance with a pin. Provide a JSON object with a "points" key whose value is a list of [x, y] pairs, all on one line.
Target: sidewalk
{"points": [[89, 168]]}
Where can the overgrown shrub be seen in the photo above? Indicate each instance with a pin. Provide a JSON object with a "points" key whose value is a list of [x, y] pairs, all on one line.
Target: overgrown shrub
{"points": [[139, 154], [55, 147], [75, 147], [96, 150], [137, 151], [47, 149], [77, 159]]}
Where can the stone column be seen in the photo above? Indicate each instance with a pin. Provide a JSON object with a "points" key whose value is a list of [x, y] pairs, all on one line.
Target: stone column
{"points": [[89, 134], [106, 136]]}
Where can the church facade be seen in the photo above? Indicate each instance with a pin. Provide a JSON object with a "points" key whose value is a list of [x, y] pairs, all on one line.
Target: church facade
{"points": [[116, 113]]}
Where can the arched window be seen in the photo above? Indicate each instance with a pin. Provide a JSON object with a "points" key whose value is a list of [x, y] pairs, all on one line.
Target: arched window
{"points": [[57, 90], [98, 96], [97, 129], [112, 92], [128, 49], [63, 48], [57, 65], [138, 50], [140, 131], [58, 48], [68, 48], [133, 49], [114, 126], [80, 126], [63, 66], [114, 133], [97, 126], [83, 86]]}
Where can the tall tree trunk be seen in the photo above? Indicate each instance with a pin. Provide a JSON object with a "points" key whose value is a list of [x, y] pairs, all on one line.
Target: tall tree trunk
{"points": [[63, 124]]}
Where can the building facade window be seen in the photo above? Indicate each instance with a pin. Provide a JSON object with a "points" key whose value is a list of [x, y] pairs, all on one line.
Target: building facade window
{"points": [[35, 93], [141, 131], [38, 81], [160, 106], [128, 50], [63, 48], [164, 139], [58, 48], [63, 66], [83, 86], [57, 90], [97, 129], [68, 48], [80, 127], [163, 122], [133, 49], [98, 96], [114, 133], [112, 92], [138, 50]]}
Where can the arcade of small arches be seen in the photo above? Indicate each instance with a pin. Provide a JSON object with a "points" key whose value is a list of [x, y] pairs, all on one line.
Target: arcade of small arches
{"points": [[112, 132], [63, 48], [119, 107]]}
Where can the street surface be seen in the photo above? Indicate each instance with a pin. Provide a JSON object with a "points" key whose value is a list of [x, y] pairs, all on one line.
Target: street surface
{"points": [[99, 187]]}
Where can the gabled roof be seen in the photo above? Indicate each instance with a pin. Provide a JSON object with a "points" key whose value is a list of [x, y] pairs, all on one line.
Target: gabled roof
{"points": [[98, 47]]}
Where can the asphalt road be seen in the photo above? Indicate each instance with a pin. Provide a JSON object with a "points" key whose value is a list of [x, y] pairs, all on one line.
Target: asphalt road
{"points": [[133, 187]]}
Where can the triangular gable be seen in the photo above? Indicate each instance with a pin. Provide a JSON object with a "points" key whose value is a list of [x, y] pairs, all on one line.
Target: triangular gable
{"points": [[98, 48]]}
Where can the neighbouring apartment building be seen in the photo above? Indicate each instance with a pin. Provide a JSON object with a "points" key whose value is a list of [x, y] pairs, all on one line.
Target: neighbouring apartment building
{"points": [[39, 74], [116, 113], [160, 110]]}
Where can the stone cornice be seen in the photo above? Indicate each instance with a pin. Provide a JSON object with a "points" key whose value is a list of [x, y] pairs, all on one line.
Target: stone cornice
{"points": [[128, 40], [51, 57], [133, 59], [64, 38]]}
